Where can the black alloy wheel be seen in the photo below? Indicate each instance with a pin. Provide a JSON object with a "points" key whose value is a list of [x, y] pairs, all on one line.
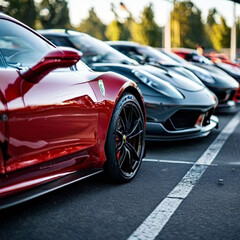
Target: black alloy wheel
{"points": [[125, 140]]}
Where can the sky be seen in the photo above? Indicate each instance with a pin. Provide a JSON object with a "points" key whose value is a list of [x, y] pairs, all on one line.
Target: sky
{"points": [[79, 9]]}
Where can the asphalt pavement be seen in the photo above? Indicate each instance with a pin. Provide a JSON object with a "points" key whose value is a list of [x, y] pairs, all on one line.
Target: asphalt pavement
{"points": [[98, 209]]}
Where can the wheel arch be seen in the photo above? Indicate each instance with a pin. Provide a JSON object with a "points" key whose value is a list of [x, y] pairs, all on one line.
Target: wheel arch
{"points": [[133, 89], [115, 86], [138, 96], [125, 92]]}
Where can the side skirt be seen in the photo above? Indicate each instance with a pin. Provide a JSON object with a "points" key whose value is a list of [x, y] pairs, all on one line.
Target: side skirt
{"points": [[46, 188]]}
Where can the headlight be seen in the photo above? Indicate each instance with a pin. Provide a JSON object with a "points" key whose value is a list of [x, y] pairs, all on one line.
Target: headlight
{"points": [[157, 84]]}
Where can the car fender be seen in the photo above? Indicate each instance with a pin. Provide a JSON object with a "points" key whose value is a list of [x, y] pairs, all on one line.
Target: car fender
{"points": [[114, 86]]}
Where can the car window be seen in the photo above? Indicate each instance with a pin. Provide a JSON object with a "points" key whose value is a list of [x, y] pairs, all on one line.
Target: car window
{"points": [[174, 56], [124, 49], [130, 51], [154, 54], [19, 46], [2, 63], [194, 57], [95, 50], [59, 41], [82, 66]]}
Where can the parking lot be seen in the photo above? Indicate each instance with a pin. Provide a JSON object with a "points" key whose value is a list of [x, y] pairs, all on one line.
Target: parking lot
{"points": [[184, 190]]}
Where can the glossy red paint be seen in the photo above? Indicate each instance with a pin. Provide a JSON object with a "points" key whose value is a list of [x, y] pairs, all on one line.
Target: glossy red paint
{"points": [[183, 52], [53, 123], [221, 57], [51, 126], [54, 59], [237, 96]]}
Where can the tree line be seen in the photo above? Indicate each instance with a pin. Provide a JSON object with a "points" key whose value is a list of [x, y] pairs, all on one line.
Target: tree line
{"points": [[187, 26], [38, 14]]}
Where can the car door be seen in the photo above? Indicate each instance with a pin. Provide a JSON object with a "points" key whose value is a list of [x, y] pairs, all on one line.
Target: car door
{"points": [[46, 120], [2, 124]]}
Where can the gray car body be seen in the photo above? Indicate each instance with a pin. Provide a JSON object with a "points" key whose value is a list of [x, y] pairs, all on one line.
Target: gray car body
{"points": [[177, 108], [218, 81]]}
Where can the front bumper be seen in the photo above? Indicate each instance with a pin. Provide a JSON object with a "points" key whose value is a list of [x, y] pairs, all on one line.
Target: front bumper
{"points": [[237, 96], [227, 107], [157, 132]]}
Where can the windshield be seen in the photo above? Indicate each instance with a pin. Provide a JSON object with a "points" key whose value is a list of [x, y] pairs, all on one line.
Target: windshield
{"points": [[155, 55], [174, 57], [19, 47], [95, 50], [199, 58]]}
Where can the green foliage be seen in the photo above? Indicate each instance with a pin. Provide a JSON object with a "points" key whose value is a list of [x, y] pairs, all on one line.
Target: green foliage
{"points": [[93, 25], [211, 17], [238, 32], [126, 34], [147, 31], [186, 24], [23, 10], [207, 38], [113, 31], [118, 31], [219, 33], [53, 14]]}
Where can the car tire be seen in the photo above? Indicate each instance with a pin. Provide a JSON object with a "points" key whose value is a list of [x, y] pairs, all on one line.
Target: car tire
{"points": [[125, 140]]}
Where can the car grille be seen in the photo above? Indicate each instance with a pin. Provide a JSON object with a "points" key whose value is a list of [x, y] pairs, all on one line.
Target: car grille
{"points": [[225, 96], [185, 119], [207, 117]]}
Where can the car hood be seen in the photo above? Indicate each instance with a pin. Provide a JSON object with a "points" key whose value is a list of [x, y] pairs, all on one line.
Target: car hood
{"points": [[221, 79], [175, 79], [233, 71]]}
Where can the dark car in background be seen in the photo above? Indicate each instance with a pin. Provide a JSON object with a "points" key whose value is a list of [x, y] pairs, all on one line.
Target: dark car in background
{"points": [[223, 85], [177, 107], [218, 68]]}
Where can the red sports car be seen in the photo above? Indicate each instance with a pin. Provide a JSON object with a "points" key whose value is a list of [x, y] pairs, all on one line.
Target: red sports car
{"points": [[220, 58], [60, 121]]}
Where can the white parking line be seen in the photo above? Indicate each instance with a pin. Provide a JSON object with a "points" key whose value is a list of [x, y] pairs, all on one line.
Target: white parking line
{"points": [[154, 223], [173, 161], [167, 161]]}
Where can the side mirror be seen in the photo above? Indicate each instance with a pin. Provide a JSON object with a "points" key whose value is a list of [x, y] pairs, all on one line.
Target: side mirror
{"points": [[57, 58]]}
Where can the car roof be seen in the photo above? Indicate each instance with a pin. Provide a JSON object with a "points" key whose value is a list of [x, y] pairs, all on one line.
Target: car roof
{"points": [[123, 43], [184, 50], [5, 16], [60, 32]]}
